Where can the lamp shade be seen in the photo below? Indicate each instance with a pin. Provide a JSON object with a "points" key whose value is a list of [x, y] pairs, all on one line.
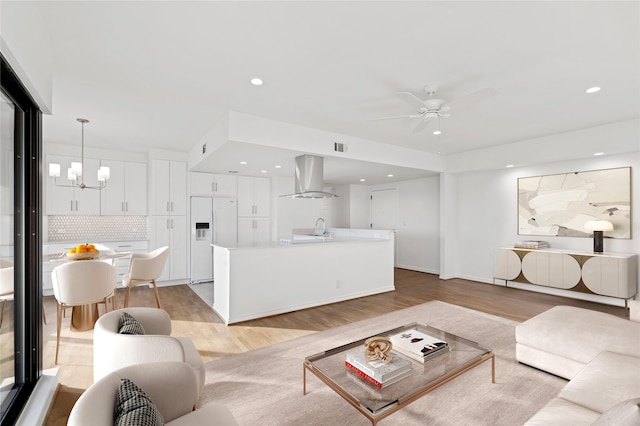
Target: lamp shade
{"points": [[598, 225], [54, 170], [104, 173], [76, 167]]}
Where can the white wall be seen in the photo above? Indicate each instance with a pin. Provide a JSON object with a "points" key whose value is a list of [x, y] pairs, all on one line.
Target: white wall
{"points": [[25, 44], [486, 214], [289, 213]]}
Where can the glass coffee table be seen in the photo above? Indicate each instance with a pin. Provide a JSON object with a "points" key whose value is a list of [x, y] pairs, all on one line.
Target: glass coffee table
{"points": [[378, 403]]}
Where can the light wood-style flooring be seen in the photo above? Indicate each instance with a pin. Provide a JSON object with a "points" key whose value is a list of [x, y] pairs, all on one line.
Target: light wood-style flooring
{"points": [[192, 317]]}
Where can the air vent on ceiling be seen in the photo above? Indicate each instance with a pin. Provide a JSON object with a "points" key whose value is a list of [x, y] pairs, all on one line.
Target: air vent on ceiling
{"points": [[339, 147]]}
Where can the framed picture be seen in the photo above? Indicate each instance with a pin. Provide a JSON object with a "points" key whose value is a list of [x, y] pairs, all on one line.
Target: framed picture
{"points": [[560, 205]]}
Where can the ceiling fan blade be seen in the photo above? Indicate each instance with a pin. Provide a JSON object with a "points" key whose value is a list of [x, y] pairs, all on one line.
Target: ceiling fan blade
{"points": [[397, 116], [478, 96], [444, 115], [421, 126], [412, 99]]}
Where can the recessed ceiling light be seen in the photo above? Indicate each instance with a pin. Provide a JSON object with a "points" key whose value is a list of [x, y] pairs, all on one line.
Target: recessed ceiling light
{"points": [[593, 89], [243, 162], [389, 175], [256, 81], [362, 180], [509, 166], [437, 132], [596, 154], [278, 167], [263, 171]]}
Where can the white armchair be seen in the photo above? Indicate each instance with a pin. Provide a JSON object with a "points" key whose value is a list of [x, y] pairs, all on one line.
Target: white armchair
{"points": [[172, 386], [145, 268], [112, 351]]}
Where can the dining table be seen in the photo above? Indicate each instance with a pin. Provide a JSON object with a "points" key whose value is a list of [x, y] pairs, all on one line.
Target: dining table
{"points": [[84, 317]]}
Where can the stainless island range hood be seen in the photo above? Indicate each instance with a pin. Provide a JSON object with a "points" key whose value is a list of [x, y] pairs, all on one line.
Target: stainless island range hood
{"points": [[309, 178]]}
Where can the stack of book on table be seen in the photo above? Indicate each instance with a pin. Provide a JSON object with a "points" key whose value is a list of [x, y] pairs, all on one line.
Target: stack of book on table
{"points": [[378, 373], [531, 244], [418, 345]]}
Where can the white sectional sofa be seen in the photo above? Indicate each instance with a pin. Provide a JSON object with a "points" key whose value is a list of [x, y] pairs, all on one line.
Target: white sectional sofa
{"points": [[600, 355]]}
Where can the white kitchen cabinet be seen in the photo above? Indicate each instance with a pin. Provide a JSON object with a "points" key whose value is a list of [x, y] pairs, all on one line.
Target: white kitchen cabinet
{"points": [[211, 184], [122, 263], [253, 231], [126, 190], [171, 231], [254, 196], [168, 187], [64, 200]]}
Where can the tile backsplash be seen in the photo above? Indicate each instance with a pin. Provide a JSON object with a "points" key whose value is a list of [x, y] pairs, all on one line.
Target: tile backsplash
{"points": [[96, 228]]}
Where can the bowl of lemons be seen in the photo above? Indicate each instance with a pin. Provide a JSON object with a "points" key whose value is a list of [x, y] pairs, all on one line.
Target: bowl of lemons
{"points": [[83, 252]]}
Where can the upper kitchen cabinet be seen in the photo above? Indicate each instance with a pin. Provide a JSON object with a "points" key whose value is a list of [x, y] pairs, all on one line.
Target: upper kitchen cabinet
{"points": [[126, 190], [211, 184], [168, 187], [254, 196], [63, 200]]}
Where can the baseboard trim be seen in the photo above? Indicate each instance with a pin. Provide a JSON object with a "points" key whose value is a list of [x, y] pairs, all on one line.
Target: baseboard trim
{"points": [[36, 410]]}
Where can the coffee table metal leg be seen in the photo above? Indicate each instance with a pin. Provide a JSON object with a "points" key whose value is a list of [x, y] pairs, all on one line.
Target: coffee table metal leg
{"points": [[493, 368], [304, 379]]}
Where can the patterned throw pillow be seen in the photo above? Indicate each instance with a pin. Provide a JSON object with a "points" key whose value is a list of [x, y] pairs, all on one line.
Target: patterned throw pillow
{"points": [[134, 407], [129, 325]]}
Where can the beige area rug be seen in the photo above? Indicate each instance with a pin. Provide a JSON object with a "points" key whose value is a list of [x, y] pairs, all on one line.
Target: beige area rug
{"points": [[264, 386]]}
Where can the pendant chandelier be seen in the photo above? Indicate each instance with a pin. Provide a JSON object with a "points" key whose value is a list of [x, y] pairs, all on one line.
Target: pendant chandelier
{"points": [[75, 172]]}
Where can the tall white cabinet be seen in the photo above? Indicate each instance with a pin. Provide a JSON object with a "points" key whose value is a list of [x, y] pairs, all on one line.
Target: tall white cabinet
{"points": [[254, 207], [168, 187], [168, 214]]}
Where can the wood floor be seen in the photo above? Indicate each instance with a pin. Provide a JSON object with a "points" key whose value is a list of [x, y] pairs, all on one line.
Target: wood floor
{"points": [[194, 318]]}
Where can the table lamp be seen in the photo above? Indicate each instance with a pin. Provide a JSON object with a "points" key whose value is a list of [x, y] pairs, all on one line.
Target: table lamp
{"points": [[598, 227]]}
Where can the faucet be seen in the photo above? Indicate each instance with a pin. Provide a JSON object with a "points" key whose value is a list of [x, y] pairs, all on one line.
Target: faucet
{"points": [[320, 230]]}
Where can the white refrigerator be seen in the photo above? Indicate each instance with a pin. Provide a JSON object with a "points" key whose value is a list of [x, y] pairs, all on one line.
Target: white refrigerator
{"points": [[213, 220]]}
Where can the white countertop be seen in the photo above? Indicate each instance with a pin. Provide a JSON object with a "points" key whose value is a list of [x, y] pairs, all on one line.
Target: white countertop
{"points": [[335, 236]]}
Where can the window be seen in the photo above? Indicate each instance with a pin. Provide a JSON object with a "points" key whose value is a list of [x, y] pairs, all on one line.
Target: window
{"points": [[20, 244]]}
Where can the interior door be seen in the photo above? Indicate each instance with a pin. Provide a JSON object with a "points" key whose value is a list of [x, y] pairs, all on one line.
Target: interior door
{"points": [[384, 213], [384, 209]]}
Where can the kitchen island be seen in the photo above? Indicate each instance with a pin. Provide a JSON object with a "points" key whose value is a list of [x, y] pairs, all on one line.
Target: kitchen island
{"points": [[257, 281]]}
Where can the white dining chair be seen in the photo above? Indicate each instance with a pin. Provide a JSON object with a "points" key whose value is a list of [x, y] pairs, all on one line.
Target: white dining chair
{"points": [[145, 268], [6, 284], [82, 282], [7, 287]]}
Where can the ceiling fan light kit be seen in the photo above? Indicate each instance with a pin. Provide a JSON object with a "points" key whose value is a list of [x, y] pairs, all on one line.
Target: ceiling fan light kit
{"points": [[428, 110]]}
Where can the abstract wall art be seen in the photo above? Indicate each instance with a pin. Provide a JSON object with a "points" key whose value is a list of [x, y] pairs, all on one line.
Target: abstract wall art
{"points": [[561, 204]]}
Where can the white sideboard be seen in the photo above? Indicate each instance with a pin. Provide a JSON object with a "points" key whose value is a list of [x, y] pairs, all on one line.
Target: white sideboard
{"points": [[606, 274]]}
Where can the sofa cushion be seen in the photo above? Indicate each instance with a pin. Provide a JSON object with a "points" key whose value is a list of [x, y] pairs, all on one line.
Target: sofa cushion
{"points": [[607, 380], [627, 413], [134, 407], [129, 325], [562, 412], [579, 334]]}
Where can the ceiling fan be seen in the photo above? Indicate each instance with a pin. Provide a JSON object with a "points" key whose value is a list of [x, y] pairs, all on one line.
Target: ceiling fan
{"points": [[432, 108]]}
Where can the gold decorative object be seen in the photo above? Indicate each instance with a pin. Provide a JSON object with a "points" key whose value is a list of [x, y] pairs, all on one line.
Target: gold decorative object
{"points": [[378, 348]]}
